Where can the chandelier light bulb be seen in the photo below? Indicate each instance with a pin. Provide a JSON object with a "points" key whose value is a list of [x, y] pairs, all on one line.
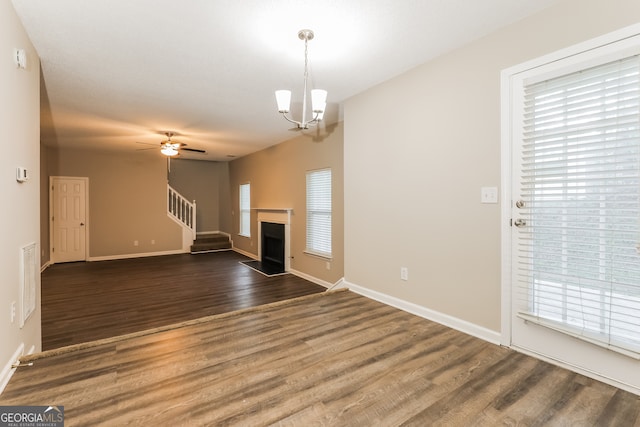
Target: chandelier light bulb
{"points": [[318, 100], [283, 98]]}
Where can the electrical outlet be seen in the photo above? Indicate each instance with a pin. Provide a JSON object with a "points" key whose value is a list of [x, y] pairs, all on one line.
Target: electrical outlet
{"points": [[13, 312], [404, 273], [328, 265], [153, 242], [135, 243]]}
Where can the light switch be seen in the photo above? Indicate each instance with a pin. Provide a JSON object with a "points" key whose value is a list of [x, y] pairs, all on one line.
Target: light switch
{"points": [[20, 57], [489, 195], [21, 174]]}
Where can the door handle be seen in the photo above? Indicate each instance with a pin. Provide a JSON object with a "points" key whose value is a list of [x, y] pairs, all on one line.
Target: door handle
{"points": [[520, 222], [82, 224]]}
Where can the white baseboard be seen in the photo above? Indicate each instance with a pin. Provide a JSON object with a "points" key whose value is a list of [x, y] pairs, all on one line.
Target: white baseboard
{"points": [[315, 280], [45, 266], [7, 370], [426, 313], [245, 253], [580, 370], [138, 255], [340, 284]]}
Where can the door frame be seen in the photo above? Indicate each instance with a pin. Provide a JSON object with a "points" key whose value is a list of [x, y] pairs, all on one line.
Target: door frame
{"points": [[51, 209], [508, 76]]}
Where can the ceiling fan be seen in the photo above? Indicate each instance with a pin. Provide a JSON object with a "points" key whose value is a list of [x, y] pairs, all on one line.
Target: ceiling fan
{"points": [[172, 148]]}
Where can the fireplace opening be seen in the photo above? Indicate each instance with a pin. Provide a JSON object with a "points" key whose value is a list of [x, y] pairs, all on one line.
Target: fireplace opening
{"points": [[272, 250], [272, 237]]}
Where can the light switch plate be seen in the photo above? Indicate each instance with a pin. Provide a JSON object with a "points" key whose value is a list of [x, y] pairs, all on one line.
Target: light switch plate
{"points": [[489, 195], [21, 174]]}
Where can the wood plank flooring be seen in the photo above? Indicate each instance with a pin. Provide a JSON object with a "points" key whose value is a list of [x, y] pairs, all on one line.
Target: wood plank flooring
{"points": [[331, 359], [88, 301]]}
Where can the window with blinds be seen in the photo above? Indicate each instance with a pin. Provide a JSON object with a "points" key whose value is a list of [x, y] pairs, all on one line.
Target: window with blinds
{"points": [[319, 212], [245, 210], [580, 268]]}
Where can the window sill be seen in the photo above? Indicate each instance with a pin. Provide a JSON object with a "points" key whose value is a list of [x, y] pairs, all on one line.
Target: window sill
{"points": [[318, 255]]}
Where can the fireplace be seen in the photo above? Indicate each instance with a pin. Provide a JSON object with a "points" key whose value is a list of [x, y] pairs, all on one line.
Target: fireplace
{"points": [[272, 253], [274, 245]]}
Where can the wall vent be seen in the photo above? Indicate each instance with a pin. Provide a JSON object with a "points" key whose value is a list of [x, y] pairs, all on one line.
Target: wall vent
{"points": [[28, 282]]}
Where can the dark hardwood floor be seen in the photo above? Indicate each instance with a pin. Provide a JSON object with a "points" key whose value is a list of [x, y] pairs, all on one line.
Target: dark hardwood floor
{"points": [[94, 300], [330, 359]]}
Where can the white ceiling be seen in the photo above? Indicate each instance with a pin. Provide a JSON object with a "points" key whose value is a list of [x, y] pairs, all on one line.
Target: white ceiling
{"points": [[117, 72]]}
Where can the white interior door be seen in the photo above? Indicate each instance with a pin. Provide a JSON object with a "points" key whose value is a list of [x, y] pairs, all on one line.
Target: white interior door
{"points": [[69, 219], [575, 211]]}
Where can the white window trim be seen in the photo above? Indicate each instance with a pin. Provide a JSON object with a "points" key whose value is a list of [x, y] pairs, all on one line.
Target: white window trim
{"points": [[307, 250], [630, 35], [244, 211], [507, 82]]}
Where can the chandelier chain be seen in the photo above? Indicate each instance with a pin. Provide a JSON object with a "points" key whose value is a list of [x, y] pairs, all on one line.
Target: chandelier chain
{"points": [[306, 59]]}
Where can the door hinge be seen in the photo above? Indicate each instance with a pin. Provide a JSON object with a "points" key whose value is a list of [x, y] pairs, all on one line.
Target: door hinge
{"points": [[53, 249]]}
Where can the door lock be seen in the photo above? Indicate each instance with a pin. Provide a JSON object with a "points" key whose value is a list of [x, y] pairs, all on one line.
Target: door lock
{"points": [[520, 204], [520, 222]]}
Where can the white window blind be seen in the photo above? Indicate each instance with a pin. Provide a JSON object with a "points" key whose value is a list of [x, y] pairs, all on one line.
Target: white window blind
{"points": [[580, 268], [319, 212], [245, 210]]}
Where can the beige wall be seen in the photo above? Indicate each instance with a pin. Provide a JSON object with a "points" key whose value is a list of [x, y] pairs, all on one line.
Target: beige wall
{"points": [[127, 200], [278, 178], [207, 183], [417, 150], [20, 213]]}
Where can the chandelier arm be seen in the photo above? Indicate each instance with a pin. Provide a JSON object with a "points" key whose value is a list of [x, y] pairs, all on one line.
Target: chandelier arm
{"points": [[303, 125], [300, 125], [316, 118]]}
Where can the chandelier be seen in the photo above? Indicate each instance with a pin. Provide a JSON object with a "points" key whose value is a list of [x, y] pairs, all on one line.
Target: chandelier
{"points": [[318, 96]]}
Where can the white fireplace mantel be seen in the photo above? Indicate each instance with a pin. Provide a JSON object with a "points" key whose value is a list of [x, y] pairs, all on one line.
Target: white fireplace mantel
{"points": [[282, 215], [278, 216]]}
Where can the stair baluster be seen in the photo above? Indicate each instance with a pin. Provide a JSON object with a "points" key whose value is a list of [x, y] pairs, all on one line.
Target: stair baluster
{"points": [[181, 210]]}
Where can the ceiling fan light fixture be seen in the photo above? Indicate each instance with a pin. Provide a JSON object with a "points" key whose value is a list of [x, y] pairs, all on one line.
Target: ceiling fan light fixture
{"points": [[318, 96], [169, 149]]}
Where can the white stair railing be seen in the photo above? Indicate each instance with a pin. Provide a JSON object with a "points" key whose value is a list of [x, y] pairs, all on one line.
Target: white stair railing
{"points": [[181, 210]]}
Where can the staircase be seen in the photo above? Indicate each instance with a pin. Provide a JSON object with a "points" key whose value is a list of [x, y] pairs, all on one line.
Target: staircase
{"points": [[211, 243], [183, 212]]}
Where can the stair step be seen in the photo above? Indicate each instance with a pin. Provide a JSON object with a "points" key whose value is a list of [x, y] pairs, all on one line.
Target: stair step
{"points": [[212, 239], [210, 243]]}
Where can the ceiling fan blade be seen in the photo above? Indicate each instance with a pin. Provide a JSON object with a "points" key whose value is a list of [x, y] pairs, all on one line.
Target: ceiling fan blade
{"points": [[195, 150], [147, 143]]}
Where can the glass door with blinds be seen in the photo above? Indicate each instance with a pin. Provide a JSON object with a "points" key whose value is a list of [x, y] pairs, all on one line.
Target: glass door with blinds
{"points": [[575, 248]]}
